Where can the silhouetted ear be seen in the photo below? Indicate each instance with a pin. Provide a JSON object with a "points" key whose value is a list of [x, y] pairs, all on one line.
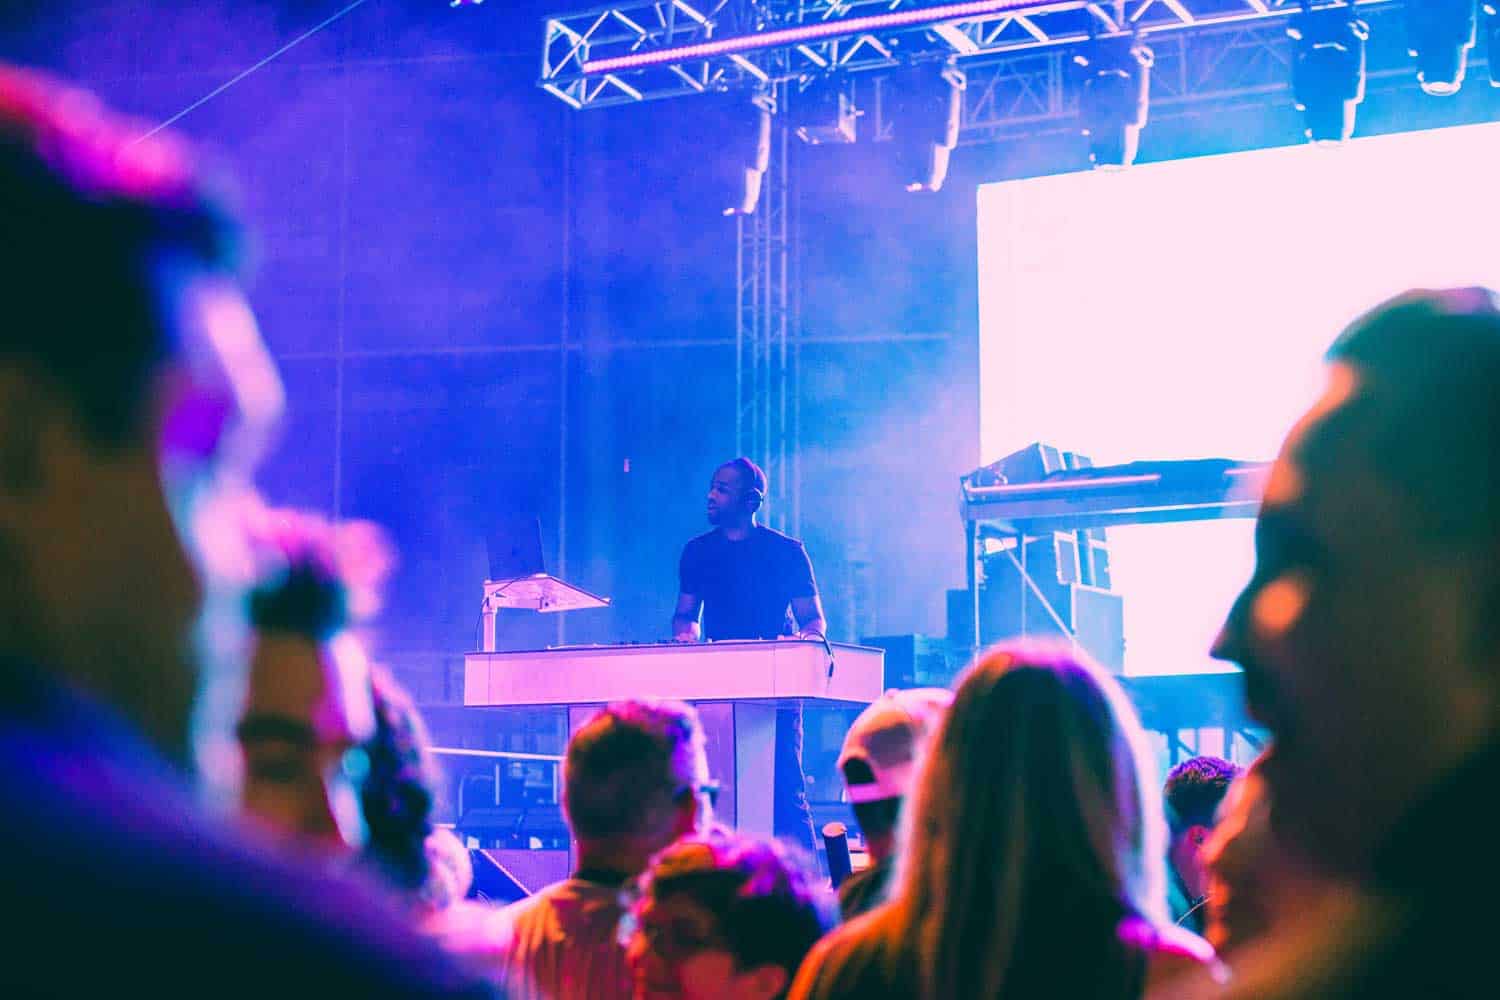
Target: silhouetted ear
{"points": [[24, 413], [765, 982]]}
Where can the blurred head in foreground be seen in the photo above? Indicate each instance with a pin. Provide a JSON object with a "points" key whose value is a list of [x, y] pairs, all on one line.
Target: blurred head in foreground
{"points": [[1256, 881], [136, 396], [1370, 631], [310, 711]]}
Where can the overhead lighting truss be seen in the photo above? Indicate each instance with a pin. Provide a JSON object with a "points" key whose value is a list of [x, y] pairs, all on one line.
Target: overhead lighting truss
{"points": [[629, 52]]}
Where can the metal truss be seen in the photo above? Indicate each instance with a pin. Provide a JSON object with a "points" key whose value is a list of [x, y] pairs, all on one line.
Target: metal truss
{"points": [[765, 352], [1029, 91], [648, 49]]}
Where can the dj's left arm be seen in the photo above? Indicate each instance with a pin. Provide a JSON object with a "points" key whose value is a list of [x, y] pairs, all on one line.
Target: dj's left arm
{"points": [[809, 614], [807, 609]]}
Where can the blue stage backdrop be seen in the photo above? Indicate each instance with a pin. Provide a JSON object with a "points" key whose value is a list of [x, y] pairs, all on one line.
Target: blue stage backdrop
{"points": [[483, 302]]}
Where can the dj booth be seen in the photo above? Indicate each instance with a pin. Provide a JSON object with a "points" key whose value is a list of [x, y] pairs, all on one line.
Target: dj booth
{"points": [[736, 687]]}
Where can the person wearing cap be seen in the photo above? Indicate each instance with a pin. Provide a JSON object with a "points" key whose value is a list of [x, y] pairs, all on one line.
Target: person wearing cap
{"points": [[879, 762]]}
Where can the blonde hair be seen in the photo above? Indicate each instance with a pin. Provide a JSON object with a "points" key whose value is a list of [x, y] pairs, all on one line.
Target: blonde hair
{"points": [[1034, 816]]}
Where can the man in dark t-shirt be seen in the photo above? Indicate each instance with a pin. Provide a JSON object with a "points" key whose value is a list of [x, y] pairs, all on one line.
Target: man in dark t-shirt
{"points": [[743, 576], [746, 586], [744, 579]]}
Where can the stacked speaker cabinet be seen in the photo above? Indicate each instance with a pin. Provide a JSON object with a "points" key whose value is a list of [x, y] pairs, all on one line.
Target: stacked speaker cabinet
{"points": [[1051, 584], [916, 660]]}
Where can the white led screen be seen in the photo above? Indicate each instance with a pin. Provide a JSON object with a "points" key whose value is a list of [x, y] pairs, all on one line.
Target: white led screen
{"points": [[1179, 310]]}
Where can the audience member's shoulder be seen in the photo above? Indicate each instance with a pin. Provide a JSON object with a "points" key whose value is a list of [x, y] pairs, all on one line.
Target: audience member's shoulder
{"points": [[861, 891], [858, 959], [340, 930], [468, 928], [121, 864], [499, 925], [504, 922]]}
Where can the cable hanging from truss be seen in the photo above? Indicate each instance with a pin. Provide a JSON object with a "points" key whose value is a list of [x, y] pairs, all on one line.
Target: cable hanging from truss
{"points": [[254, 68]]}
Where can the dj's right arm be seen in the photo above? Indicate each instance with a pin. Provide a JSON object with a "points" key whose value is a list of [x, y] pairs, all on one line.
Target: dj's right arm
{"points": [[685, 627], [685, 621]]}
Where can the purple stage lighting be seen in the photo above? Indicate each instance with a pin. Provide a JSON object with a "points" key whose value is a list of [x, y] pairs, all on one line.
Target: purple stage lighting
{"points": [[803, 33], [1328, 75], [749, 146], [1441, 33], [1116, 98], [823, 112], [925, 111], [1492, 36]]}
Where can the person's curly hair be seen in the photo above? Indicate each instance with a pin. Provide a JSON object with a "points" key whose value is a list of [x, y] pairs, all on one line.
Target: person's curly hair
{"points": [[765, 900], [400, 790], [1194, 790]]}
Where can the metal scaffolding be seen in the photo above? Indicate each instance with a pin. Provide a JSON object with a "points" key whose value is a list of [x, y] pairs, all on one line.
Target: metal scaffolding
{"points": [[1223, 66], [644, 50], [1016, 55], [765, 355]]}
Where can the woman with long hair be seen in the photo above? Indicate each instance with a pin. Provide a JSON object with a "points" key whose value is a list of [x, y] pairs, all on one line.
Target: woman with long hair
{"points": [[1033, 856], [426, 865]]}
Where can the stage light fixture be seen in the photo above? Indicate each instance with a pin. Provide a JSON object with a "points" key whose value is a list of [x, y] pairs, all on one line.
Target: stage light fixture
{"points": [[1440, 35], [1492, 37], [1328, 71], [924, 103], [823, 112], [749, 151], [1116, 98]]}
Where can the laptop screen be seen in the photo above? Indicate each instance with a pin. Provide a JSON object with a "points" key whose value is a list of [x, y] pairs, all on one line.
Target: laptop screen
{"points": [[515, 546]]}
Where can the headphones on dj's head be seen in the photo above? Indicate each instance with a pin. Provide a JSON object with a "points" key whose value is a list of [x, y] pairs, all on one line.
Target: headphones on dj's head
{"points": [[754, 496]]}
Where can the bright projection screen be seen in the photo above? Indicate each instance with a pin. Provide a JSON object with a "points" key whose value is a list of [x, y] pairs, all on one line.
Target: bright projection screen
{"points": [[1180, 310]]}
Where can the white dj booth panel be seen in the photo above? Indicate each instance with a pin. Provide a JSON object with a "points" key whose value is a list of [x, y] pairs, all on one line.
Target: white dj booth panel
{"points": [[737, 688]]}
